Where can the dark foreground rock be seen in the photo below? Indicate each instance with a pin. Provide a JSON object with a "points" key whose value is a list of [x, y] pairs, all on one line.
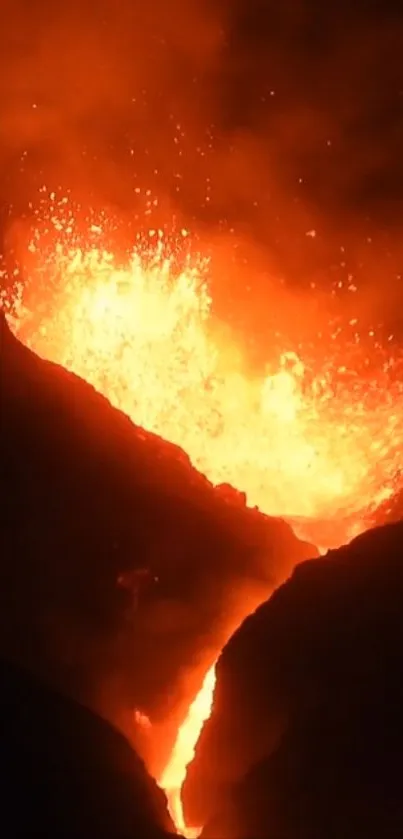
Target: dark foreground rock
{"points": [[67, 773], [123, 570], [307, 724]]}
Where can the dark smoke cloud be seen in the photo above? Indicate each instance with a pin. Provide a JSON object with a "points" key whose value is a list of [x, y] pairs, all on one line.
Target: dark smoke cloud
{"points": [[269, 119]]}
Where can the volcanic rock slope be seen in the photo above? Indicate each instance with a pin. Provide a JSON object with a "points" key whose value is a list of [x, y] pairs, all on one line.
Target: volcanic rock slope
{"points": [[67, 773], [90, 500], [306, 733]]}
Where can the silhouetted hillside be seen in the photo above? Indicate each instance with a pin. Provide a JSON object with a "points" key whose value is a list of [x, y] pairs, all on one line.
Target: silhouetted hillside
{"points": [[307, 724], [67, 773]]}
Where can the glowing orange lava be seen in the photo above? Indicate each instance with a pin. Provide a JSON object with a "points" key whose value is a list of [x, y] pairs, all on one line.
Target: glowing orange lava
{"points": [[183, 752], [313, 440]]}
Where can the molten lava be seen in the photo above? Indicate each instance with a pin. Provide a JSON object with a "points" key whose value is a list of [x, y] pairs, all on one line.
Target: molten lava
{"points": [[183, 752], [312, 439]]}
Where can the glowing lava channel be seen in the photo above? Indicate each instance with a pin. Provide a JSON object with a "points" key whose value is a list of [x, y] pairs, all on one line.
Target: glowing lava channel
{"points": [[183, 752]]}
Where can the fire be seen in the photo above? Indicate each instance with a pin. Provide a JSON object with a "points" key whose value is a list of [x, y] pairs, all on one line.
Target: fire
{"points": [[183, 752], [302, 438]]}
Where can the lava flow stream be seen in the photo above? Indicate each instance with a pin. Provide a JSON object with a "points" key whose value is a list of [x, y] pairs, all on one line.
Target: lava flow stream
{"points": [[183, 752]]}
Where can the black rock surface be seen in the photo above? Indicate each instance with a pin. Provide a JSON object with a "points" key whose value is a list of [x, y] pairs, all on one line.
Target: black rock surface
{"points": [[65, 772], [305, 740]]}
